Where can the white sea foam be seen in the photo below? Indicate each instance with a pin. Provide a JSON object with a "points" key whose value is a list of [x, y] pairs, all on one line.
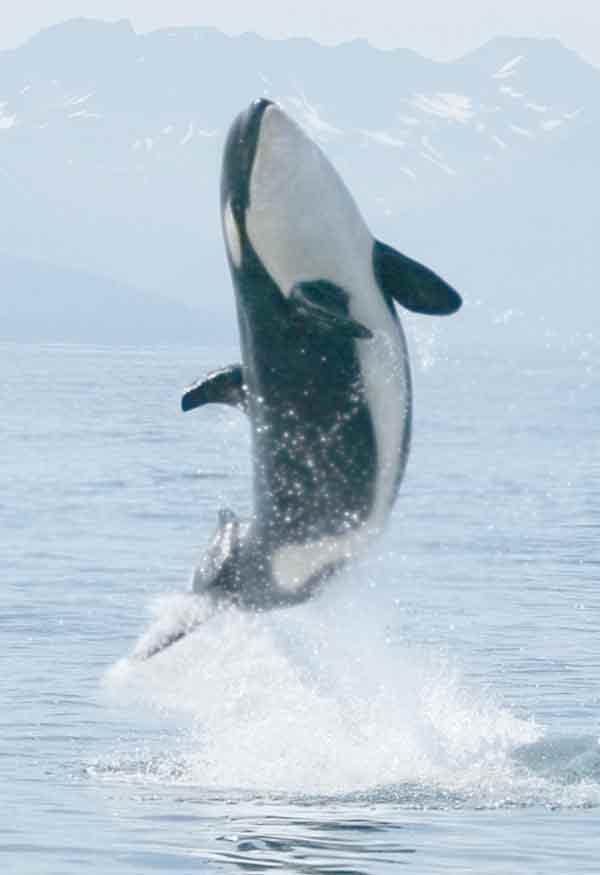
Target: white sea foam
{"points": [[325, 699]]}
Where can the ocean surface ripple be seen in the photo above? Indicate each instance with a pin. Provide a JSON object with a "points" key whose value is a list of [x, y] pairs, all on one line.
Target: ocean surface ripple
{"points": [[436, 707]]}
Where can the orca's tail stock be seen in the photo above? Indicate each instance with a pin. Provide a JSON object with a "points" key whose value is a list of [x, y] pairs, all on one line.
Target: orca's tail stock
{"points": [[178, 616]]}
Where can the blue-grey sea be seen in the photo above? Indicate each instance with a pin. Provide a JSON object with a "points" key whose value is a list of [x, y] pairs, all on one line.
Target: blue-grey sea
{"points": [[437, 708]]}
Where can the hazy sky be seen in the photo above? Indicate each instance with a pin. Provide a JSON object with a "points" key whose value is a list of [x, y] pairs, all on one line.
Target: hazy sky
{"points": [[440, 29]]}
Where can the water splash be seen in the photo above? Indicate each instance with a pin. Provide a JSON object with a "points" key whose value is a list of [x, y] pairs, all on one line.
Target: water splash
{"points": [[322, 700], [423, 336]]}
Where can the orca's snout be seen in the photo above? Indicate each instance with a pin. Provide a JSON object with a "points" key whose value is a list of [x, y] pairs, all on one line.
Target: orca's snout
{"points": [[238, 157], [260, 104], [253, 116], [249, 123]]}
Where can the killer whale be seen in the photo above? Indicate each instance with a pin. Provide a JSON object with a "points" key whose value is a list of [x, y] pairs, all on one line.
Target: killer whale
{"points": [[324, 376]]}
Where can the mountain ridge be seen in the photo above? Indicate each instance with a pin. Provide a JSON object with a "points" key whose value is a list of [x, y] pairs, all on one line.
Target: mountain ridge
{"points": [[126, 29], [113, 168], [46, 303]]}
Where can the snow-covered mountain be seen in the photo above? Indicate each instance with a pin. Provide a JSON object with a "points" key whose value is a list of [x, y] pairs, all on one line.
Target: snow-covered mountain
{"points": [[486, 168]]}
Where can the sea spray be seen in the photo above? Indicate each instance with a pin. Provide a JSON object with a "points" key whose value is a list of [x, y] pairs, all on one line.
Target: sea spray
{"points": [[324, 699]]}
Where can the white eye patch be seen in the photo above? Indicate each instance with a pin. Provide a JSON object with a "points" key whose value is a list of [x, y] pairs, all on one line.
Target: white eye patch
{"points": [[232, 235]]}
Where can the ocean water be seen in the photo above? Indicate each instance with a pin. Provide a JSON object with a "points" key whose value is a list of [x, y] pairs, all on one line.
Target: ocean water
{"points": [[437, 708]]}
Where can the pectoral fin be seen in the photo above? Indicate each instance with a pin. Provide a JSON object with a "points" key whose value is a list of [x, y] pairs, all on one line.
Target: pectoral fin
{"points": [[326, 305], [225, 386], [411, 284]]}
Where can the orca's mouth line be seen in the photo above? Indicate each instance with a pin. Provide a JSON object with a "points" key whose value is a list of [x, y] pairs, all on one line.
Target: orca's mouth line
{"points": [[240, 152]]}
